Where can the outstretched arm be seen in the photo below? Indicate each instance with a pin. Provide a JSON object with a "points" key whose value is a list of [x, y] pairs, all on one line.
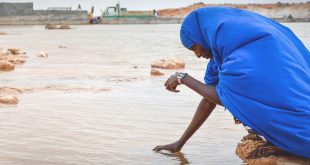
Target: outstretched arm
{"points": [[206, 106], [202, 113]]}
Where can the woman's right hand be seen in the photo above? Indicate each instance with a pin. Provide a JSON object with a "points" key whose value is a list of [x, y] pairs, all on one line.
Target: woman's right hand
{"points": [[173, 147]]}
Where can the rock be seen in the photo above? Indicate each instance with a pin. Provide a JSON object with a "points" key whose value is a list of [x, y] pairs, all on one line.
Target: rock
{"points": [[17, 60], [50, 26], [10, 91], [64, 26], [43, 54], [156, 72], [4, 53], [2, 57], [279, 160], [61, 26], [174, 63], [12, 100], [14, 51], [14, 59], [6, 66], [245, 147]]}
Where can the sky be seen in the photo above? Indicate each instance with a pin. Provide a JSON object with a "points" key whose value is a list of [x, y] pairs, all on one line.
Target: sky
{"points": [[134, 4]]}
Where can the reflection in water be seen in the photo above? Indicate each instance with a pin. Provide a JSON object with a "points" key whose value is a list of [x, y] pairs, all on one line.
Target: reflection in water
{"points": [[179, 156]]}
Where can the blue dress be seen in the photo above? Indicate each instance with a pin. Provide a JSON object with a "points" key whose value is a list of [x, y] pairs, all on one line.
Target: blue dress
{"points": [[261, 71]]}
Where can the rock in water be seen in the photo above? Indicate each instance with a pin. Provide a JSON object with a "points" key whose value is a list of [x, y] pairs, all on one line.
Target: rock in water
{"points": [[4, 53], [43, 54], [11, 100], [16, 60], [65, 26], [50, 26], [174, 63], [14, 51], [156, 72], [246, 147], [6, 66]]}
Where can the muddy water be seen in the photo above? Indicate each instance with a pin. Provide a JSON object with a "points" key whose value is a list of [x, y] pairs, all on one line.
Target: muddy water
{"points": [[94, 101]]}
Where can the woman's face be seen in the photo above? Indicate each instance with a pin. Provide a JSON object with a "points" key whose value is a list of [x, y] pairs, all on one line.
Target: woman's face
{"points": [[201, 52]]}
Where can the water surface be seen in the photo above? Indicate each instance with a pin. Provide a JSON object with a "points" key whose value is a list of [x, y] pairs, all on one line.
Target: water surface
{"points": [[120, 125]]}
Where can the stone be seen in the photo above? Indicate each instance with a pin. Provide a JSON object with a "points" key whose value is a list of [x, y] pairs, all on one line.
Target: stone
{"points": [[174, 63], [64, 26], [9, 99], [10, 91], [156, 72], [245, 147], [43, 54], [61, 26], [4, 53], [14, 59], [14, 51], [17, 60], [6, 66], [50, 26]]}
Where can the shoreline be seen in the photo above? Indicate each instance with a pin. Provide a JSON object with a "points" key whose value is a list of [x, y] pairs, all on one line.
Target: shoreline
{"points": [[24, 14]]}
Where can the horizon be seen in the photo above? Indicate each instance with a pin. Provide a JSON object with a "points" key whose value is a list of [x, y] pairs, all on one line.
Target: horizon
{"points": [[136, 4]]}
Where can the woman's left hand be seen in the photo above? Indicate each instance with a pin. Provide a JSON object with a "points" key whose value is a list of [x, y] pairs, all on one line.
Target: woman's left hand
{"points": [[172, 83]]}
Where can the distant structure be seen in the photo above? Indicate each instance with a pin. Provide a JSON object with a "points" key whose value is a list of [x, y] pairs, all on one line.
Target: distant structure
{"points": [[60, 8], [24, 14], [79, 8]]}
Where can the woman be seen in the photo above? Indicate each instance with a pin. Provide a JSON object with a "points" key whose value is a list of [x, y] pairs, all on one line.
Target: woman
{"points": [[258, 69]]}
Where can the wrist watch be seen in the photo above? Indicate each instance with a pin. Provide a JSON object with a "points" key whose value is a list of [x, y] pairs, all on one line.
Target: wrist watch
{"points": [[180, 76]]}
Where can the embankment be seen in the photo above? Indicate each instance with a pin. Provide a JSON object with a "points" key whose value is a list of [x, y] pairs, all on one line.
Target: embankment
{"points": [[285, 12], [23, 14]]}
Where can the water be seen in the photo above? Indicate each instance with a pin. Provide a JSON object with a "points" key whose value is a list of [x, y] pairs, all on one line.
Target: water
{"points": [[90, 105]]}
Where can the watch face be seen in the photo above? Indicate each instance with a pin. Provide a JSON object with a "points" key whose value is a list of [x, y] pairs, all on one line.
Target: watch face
{"points": [[181, 75]]}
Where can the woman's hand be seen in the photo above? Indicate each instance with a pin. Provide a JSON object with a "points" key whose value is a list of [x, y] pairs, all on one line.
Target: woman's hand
{"points": [[173, 147], [172, 83]]}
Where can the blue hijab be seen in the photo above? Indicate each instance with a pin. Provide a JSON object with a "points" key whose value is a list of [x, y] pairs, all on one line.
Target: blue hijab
{"points": [[261, 71]]}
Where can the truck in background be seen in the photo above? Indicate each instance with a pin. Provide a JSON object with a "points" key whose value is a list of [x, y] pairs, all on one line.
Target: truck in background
{"points": [[118, 15], [117, 11]]}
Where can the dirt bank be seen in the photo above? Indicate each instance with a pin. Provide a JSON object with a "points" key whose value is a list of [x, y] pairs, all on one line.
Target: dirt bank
{"points": [[278, 11]]}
